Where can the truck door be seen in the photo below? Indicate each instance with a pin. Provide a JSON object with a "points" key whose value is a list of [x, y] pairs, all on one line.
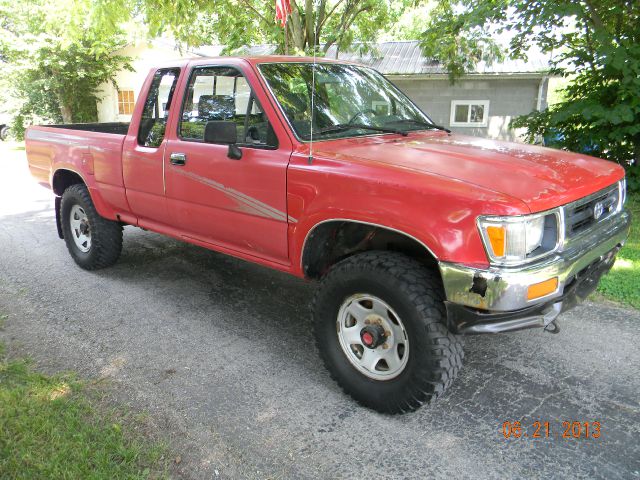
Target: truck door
{"points": [[236, 204], [144, 149]]}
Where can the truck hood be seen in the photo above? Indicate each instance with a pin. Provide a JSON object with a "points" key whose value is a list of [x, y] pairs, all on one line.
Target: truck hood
{"points": [[542, 178]]}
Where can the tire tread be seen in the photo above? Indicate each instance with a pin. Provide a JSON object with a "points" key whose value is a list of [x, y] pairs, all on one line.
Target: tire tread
{"points": [[424, 289], [106, 235]]}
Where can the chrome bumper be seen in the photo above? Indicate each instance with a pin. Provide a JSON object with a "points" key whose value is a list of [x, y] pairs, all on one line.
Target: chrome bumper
{"points": [[502, 291]]}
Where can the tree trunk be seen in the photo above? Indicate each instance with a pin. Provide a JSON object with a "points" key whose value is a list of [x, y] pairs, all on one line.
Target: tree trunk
{"points": [[286, 36], [65, 110], [297, 29], [308, 17]]}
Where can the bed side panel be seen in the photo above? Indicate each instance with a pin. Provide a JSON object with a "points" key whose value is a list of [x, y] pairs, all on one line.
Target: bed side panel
{"points": [[95, 156]]}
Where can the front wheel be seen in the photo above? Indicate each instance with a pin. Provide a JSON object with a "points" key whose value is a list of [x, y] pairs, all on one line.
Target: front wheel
{"points": [[93, 241], [4, 133], [379, 322]]}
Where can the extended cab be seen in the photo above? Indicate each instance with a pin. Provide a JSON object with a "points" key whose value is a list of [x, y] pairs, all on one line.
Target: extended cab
{"points": [[328, 172]]}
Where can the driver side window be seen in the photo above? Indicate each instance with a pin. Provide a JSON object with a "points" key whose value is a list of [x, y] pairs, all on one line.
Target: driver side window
{"points": [[223, 94]]}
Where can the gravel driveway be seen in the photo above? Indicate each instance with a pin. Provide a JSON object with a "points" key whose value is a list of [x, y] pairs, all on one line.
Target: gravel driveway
{"points": [[220, 353]]}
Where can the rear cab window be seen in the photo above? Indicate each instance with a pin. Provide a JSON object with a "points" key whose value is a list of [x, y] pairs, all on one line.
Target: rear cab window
{"points": [[155, 114]]}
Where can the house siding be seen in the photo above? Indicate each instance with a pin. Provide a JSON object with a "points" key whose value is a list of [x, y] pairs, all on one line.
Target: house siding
{"points": [[508, 99], [143, 58]]}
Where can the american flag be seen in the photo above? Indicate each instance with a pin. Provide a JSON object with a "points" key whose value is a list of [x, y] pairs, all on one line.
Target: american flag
{"points": [[283, 9]]}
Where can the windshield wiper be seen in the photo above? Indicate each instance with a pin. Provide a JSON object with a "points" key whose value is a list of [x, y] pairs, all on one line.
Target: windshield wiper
{"points": [[341, 127], [420, 122]]}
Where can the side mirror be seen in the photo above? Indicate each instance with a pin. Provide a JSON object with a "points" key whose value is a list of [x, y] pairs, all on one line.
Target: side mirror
{"points": [[225, 133]]}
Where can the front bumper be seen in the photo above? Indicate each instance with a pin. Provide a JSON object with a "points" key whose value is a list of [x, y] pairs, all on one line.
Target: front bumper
{"points": [[495, 299]]}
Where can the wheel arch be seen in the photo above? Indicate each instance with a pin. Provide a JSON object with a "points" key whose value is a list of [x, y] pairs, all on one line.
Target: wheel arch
{"points": [[63, 178], [332, 240]]}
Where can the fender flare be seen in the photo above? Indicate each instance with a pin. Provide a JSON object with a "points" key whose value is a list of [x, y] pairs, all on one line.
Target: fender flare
{"points": [[362, 222], [103, 209]]}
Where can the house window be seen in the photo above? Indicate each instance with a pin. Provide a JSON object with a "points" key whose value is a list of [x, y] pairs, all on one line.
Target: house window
{"points": [[126, 102], [469, 113], [381, 108]]}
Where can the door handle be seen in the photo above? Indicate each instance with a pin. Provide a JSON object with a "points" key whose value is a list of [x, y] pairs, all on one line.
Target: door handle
{"points": [[178, 159]]}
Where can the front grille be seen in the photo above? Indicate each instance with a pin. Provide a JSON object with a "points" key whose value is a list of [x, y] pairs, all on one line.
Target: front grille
{"points": [[580, 215]]}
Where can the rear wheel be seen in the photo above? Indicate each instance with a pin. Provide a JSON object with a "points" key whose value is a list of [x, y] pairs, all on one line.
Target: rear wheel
{"points": [[379, 322], [93, 241], [4, 133]]}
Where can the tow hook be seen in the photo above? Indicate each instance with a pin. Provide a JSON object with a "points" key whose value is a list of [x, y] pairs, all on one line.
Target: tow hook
{"points": [[550, 319], [553, 327]]}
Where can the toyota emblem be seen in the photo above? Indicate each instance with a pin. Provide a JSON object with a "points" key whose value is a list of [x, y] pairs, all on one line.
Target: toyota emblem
{"points": [[598, 210]]}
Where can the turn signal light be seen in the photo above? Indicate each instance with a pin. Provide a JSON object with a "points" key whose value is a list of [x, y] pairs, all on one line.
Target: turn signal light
{"points": [[541, 289], [497, 236]]}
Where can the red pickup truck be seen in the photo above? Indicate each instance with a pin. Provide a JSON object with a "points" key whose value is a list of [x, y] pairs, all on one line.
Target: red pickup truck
{"points": [[328, 172]]}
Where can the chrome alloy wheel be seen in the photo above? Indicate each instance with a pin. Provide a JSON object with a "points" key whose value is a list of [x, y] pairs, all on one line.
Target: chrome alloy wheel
{"points": [[372, 337], [80, 229]]}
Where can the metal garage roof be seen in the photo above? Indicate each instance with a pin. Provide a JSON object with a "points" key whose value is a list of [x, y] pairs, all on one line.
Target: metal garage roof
{"points": [[401, 58], [406, 58]]}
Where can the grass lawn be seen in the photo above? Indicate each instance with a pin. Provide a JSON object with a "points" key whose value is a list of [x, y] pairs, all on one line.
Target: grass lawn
{"points": [[622, 284], [51, 429]]}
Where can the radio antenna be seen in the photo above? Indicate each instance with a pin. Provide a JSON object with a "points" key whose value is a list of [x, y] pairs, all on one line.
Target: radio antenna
{"points": [[313, 83]]}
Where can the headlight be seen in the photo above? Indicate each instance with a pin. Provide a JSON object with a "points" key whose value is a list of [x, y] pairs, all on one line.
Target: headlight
{"points": [[515, 240]]}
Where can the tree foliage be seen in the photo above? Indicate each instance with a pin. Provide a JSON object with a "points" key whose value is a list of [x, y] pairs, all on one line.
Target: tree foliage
{"points": [[459, 37], [312, 25], [60, 51], [57, 55], [595, 42]]}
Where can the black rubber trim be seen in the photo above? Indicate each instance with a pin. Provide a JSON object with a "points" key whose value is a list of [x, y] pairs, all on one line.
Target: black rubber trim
{"points": [[58, 202]]}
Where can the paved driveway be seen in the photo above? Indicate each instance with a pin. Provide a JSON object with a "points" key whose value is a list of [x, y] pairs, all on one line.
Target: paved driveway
{"points": [[220, 353]]}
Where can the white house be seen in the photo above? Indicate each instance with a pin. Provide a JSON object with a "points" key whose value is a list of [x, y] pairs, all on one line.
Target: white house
{"points": [[116, 104]]}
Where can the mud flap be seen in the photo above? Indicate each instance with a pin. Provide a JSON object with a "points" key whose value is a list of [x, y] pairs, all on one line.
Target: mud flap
{"points": [[58, 219]]}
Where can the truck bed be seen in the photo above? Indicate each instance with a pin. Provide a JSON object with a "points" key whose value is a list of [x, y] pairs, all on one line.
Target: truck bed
{"points": [[91, 150]]}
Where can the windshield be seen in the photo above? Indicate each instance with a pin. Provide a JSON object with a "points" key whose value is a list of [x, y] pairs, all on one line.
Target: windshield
{"points": [[348, 99]]}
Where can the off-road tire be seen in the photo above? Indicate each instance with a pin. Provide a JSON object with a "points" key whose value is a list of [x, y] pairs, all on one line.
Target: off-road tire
{"points": [[416, 294], [106, 235]]}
